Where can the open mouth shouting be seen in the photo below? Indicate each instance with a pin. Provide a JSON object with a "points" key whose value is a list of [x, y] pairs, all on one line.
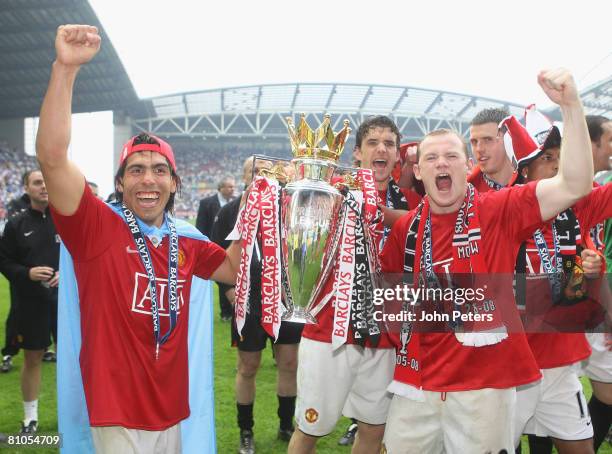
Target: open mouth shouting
{"points": [[443, 182], [379, 164]]}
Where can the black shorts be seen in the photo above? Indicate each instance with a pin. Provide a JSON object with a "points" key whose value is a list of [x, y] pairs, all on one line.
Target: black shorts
{"points": [[33, 323], [254, 337]]}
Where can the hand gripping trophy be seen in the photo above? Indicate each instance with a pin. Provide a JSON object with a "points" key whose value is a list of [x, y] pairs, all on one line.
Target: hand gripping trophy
{"points": [[317, 225]]}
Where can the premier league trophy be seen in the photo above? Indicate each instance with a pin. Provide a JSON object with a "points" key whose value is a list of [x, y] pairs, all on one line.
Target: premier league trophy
{"points": [[310, 215], [308, 229]]}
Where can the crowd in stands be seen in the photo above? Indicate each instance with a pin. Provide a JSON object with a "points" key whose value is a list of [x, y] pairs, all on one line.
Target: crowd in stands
{"points": [[13, 163], [201, 172]]}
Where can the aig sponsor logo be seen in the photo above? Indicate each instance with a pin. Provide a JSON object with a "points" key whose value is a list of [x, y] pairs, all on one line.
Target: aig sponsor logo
{"points": [[141, 299]]}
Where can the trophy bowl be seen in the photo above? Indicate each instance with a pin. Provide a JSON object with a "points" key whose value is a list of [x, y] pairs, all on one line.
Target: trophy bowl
{"points": [[310, 222]]}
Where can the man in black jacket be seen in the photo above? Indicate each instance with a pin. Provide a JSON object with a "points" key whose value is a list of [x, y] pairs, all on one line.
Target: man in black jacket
{"points": [[207, 214], [210, 206], [29, 256], [10, 349]]}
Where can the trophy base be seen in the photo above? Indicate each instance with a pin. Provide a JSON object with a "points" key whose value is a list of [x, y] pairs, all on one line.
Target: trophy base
{"points": [[298, 315]]}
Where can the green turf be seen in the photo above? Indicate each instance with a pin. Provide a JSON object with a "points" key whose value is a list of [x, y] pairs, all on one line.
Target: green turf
{"points": [[266, 421]]}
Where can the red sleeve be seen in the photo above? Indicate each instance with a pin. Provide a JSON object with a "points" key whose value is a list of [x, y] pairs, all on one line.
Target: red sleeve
{"points": [[89, 231], [595, 207], [392, 255], [210, 257], [514, 209], [474, 176], [412, 197]]}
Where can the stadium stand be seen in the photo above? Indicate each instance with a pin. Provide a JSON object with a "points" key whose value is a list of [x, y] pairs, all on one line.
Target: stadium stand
{"points": [[202, 168], [13, 163]]}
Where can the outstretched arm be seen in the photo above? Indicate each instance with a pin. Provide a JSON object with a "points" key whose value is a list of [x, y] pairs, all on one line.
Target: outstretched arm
{"points": [[75, 45], [227, 271], [574, 179]]}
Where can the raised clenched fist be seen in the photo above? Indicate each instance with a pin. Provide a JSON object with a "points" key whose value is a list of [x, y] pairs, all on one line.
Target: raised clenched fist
{"points": [[559, 86], [76, 44]]}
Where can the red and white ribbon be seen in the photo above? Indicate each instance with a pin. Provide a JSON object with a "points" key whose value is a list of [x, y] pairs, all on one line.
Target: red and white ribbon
{"points": [[345, 276], [269, 225], [370, 205], [249, 219]]}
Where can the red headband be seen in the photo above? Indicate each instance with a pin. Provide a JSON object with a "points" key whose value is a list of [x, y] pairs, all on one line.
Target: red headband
{"points": [[163, 148]]}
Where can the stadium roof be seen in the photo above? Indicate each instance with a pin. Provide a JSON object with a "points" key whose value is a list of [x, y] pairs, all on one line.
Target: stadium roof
{"points": [[597, 98], [259, 110], [332, 97], [27, 36]]}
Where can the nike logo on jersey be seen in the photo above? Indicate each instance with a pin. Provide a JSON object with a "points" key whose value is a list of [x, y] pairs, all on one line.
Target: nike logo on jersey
{"points": [[130, 250], [26, 234]]}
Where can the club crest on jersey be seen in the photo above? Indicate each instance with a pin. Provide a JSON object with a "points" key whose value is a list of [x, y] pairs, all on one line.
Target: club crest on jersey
{"points": [[311, 415], [141, 297], [181, 258]]}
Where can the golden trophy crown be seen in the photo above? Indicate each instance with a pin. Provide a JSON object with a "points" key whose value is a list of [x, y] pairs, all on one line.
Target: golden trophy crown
{"points": [[319, 144]]}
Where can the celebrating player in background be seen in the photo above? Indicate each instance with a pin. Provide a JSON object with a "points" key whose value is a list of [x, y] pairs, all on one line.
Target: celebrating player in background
{"points": [[598, 367], [134, 265], [555, 406], [494, 169], [453, 391]]}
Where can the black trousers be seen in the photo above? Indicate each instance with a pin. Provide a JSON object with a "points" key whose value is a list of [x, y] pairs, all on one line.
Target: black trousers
{"points": [[10, 334]]}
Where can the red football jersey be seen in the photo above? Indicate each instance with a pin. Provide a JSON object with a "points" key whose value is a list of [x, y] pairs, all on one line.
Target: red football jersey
{"points": [[507, 218], [560, 349], [124, 384], [479, 182]]}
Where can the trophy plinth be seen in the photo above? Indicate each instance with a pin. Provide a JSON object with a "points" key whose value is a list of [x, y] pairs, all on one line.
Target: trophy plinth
{"points": [[299, 315]]}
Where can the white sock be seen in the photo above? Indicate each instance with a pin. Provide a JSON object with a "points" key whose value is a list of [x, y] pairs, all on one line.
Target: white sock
{"points": [[31, 411]]}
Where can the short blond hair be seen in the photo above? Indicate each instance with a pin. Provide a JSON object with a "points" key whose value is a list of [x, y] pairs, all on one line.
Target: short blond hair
{"points": [[443, 132]]}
